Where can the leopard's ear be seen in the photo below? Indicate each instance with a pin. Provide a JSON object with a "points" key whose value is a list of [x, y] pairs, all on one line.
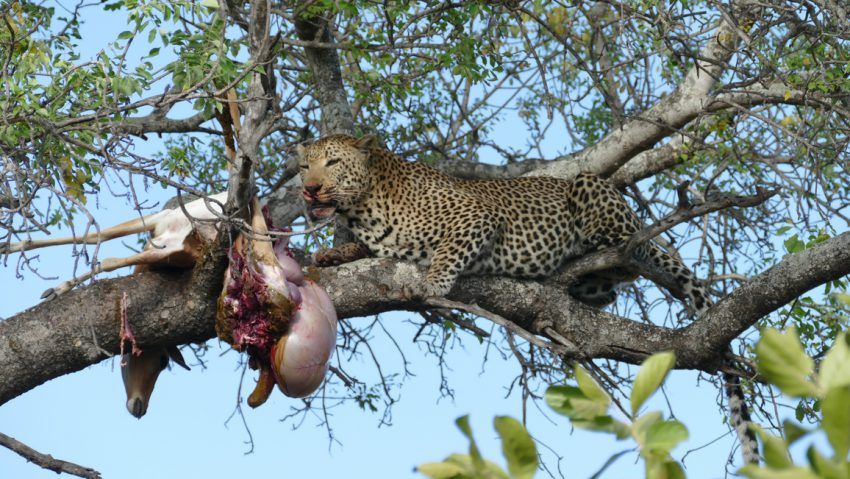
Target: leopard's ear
{"points": [[367, 142]]}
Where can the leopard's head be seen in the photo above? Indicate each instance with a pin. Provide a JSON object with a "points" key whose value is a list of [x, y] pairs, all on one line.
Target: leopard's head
{"points": [[335, 172]]}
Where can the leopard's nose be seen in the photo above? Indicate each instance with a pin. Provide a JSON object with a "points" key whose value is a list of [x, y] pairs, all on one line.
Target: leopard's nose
{"points": [[312, 189]]}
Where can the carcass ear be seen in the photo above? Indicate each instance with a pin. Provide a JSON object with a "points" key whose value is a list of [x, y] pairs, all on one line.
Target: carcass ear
{"points": [[367, 142], [300, 150], [177, 357]]}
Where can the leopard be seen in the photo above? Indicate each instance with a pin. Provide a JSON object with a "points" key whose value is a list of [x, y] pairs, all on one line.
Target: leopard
{"points": [[527, 227]]}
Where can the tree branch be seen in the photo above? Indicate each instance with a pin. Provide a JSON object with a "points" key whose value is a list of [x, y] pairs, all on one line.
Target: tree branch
{"points": [[46, 460], [256, 110], [174, 308], [327, 76], [329, 89], [646, 129], [82, 328], [140, 126]]}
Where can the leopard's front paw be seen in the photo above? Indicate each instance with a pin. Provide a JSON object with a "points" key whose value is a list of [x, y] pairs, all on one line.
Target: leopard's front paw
{"points": [[341, 254], [328, 257]]}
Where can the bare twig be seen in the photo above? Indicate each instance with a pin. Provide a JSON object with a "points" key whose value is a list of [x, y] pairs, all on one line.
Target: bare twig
{"points": [[561, 349], [46, 460]]}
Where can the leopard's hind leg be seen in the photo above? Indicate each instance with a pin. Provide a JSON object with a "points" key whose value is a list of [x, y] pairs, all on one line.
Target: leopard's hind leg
{"points": [[695, 291]]}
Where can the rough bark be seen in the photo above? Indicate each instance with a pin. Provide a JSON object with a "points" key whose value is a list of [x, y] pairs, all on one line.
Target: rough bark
{"points": [[327, 76], [329, 90], [651, 126], [257, 112], [82, 328], [30, 353]]}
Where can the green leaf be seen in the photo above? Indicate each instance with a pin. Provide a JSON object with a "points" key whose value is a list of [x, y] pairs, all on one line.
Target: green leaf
{"points": [[210, 3], [800, 411], [590, 388], [641, 426], [836, 420], [793, 431], [607, 424], [461, 466], [463, 424], [665, 435], [493, 471], [825, 468], [661, 467], [649, 378], [673, 470], [487, 470], [774, 449], [754, 472], [794, 244], [440, 470], [835, 368], [782, 361], [517, 446], [573, 403], [558, 398], [843, 297], [587, 409], [603, 424]]}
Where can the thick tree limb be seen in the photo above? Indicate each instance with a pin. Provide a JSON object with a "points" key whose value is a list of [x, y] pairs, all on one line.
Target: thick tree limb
{"points": [[473, 170], [329, 90], [650, 162], [646, 129], [178, 308], [779, 93], [769, 291], [327, 76], [81, 328], [257, 108], [47, 461]]}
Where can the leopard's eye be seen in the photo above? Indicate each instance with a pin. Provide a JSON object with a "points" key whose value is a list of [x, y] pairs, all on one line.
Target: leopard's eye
{"points": [[332, 162]]}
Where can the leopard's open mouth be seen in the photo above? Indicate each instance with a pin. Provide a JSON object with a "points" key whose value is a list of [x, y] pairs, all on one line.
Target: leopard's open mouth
{"points": [[319, 210]]}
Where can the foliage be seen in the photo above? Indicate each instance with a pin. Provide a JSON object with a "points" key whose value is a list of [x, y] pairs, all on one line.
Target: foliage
{"points": [[88, 113], [587, 407], [517, 446], [781, 363], [586, 404]]}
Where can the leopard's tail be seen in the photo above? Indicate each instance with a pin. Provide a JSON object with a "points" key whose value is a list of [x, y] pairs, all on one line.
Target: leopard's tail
{"points": [[697, 294], [739, 415]]}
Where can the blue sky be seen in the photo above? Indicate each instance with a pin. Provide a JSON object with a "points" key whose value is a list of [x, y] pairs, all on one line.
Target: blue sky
{"points": [[81, 417]]}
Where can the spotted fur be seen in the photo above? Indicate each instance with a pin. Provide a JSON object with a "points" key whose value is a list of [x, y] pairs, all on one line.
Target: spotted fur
{"points": [[523, 227], [740, 418]]}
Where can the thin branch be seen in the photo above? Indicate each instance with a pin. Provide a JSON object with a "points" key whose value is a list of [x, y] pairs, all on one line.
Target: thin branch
{"points": [[47, 461], [561, 349]]}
